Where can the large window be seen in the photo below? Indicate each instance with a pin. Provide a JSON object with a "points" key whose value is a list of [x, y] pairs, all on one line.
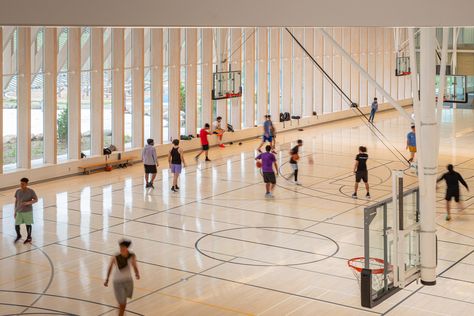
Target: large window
{"points": [[108, 74], [128, 89], [62, 103], [147, 86], [166, 138], [10, 98], [199, 81], [182, 85], [37, 96], [86, 91]]}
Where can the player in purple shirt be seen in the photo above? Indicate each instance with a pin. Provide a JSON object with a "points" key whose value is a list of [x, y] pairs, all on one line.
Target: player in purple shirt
{"points": [[268, 161]]}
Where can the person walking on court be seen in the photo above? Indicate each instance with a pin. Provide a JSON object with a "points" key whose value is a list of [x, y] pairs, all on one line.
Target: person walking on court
{"points": [[452, 179], [203, 133], [24, 200], [268, 161], [360, 170], [268, 133], [218, 130], [176, 161], [411, 144], [294, 157], [373, 110], [150, 161], [122, 278]]}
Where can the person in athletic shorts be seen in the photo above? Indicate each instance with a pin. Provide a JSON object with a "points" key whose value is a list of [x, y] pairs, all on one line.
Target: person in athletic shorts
{"points": [[411, 144], [24, 200], [268, 133], [122, 278], [452, 179], [294, 157], [360, 170], [268, 161], [204, 142], [176, 161], [219, 131], [150, 161]]}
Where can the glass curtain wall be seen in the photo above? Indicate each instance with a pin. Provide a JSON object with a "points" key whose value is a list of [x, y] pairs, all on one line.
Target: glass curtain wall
{"points": [[62, 102], [37, 96], [86, 91], [108, 76], [128, 89], [147, 86]]}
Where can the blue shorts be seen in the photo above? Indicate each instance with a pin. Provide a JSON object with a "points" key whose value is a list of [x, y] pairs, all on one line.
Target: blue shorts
{"points": [[267, 138], [175, 168]]}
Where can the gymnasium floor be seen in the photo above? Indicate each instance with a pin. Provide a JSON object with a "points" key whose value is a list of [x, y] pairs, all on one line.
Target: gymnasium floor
{"points": [[220, 248]]}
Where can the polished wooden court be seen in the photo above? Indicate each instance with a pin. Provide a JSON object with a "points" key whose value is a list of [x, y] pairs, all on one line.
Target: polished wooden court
{"points": [[218, 247]]}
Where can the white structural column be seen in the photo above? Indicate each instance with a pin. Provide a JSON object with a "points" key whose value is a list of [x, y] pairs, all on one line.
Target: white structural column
{"points": [[298, 72], [156, 107], [262, 64], [221, 36], [206, 75], [174, 83], [138, 86], [74, 92], [24, 98], [191, 80], [275, 72], [427, 143], [308, 72], [286, 61], [387, 61], [97, 91], [328, 67], [1, 104], [318, 76], [50, 92], [236, 62], [346, 67], [118, 81], [249, 77], [355, 54]]}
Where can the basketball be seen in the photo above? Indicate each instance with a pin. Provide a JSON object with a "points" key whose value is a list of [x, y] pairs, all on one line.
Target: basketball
{"points": [[295, 157], [259, 164]]}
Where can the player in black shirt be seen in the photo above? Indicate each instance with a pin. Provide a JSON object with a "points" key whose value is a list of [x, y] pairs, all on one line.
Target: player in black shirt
{"points": [[360, 170], [452, 179], [294, 157]]}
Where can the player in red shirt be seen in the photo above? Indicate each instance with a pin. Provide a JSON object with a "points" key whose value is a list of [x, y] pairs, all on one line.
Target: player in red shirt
{"points": [[204, 142]]}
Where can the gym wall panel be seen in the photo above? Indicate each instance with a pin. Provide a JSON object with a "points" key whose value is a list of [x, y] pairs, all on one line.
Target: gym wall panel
{"points": [[355, 54], [328, 67], [337, 71]]}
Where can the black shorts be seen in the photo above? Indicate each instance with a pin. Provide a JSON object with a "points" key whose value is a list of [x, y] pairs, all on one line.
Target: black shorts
{"points": [[150, 169], [269, 177], [452, 194], [205, 147], [362, 175]]}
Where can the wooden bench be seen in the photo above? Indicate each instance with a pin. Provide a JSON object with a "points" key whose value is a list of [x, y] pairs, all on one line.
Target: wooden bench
{"points": [[86, 169]]}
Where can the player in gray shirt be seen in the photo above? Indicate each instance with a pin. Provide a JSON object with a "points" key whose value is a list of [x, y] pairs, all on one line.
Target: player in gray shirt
{"points": [[24, 200]]}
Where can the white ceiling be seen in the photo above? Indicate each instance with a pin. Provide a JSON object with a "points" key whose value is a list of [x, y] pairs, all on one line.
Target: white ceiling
{"points": [[238, 12]]}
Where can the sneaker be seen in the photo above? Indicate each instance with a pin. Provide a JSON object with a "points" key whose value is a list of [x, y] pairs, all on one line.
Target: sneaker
{"points": [[151, 185], [268, 195], [207, 159], [297, 182], [173, 189], [448, 217], [147, 185], [176, 187], [27, 241], [17, 238], [354, 195], [222, 146], [367, 195]]}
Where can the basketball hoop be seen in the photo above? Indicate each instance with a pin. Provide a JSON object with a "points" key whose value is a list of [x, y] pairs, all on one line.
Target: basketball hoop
{"points": [[375, 264]]}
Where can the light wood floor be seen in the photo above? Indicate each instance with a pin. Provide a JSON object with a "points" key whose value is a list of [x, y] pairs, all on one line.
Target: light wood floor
{"points": [[219, 247]]}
